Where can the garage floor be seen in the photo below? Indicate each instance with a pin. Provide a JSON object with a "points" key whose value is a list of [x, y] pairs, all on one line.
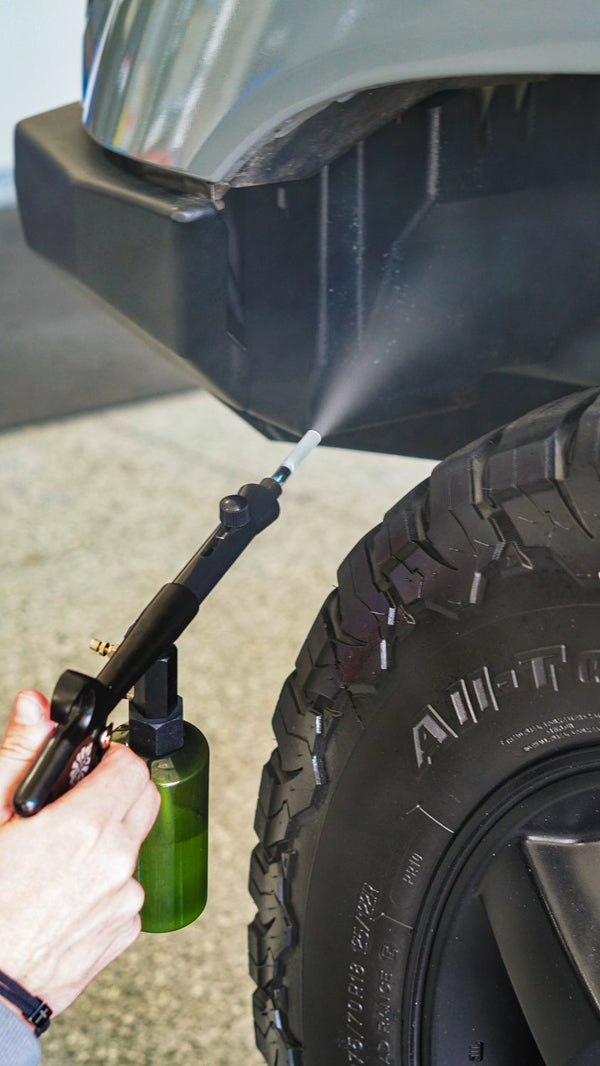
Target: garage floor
{"points": [[97, 511]]}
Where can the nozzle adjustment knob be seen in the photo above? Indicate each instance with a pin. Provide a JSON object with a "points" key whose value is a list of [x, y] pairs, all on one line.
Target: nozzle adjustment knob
{"points": [[234, 511]]}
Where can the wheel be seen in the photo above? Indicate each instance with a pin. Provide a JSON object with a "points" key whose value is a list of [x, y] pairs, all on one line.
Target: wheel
{"points": [[427, 875]]}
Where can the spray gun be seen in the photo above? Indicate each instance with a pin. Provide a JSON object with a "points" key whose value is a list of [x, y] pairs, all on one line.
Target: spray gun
{"points": [[145, 663]]}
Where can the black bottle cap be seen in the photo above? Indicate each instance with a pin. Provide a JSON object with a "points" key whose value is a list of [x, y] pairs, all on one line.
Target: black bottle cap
{"points": [[156, 711]]}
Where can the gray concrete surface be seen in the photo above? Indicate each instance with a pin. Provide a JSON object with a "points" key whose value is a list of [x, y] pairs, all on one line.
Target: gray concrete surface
{"points": [[96, 512]]}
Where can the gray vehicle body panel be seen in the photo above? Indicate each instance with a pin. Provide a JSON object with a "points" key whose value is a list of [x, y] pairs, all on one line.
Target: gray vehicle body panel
{"points": [[197, 86]]}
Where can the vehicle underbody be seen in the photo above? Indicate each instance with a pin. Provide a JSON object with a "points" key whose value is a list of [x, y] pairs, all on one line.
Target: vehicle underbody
{"points": [[443, 272]]}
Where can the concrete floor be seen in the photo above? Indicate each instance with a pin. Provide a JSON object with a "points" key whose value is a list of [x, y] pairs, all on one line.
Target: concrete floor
{"points": [[97, 512]]}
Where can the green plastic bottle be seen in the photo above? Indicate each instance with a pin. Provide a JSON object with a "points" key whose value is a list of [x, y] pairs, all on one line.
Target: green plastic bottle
{"points": [[173, 860]]}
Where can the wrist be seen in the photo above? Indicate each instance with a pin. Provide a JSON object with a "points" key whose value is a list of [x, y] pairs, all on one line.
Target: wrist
{"points": [[32, 1009], [19, 1013]]}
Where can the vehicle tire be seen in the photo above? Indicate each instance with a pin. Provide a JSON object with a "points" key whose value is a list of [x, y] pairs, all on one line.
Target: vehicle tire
{"points": [[444, 709]]}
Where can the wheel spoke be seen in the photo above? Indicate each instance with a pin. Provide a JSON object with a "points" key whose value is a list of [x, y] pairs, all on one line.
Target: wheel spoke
{"points": [[542, 898]]}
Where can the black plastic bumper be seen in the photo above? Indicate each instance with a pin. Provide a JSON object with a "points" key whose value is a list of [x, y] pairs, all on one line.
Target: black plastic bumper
{"points": [[156, 256], [442, 277]]}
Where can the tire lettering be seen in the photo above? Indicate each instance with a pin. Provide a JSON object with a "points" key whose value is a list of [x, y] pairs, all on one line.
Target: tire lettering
{"points": [[471, 698], [588, 669], [388, 951], [506, 680], [354, 1015], [483, 690], [544, 664], [360, 941], [364, 917], [428, 734], [414, 865], [354, 1047], [384, 1053], [354, 1044], [354, 1040], [384, 1015], [384, 1019], [463, 708]]}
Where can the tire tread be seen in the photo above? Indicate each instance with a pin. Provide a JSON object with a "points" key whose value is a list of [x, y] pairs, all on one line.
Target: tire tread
{"points": [[500, 501]]}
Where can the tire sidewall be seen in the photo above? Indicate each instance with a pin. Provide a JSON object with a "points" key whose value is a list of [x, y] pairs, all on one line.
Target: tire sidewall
{"points": [[431, 754]]}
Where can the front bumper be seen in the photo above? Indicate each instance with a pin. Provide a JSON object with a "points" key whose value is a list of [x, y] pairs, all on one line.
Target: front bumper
{"points": [[439, 279], [156, 256]]}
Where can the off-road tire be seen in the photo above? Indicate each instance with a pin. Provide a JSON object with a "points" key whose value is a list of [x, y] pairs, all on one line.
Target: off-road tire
{"points": [[455, 661]]}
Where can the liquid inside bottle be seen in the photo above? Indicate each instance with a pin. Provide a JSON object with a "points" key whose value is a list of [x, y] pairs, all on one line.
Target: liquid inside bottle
{"points": [[173, 861]]}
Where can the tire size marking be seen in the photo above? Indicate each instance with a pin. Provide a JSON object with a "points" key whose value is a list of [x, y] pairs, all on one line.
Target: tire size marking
{"points": [[470, 699], [354, 1041], [364, 916]]}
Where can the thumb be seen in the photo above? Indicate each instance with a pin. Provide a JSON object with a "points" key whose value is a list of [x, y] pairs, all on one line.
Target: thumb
{"points": [[28, 726]]}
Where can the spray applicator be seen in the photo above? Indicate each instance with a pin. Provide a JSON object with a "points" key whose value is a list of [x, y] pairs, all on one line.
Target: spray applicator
{"points": [[173, 861], [304, 447]]}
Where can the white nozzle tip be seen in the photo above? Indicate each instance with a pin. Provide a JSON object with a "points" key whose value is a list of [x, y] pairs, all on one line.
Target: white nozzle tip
{"points": [[303, 448]]}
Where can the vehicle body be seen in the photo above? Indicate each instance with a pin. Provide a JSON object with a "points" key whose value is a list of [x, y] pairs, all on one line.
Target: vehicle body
{"points": [[364, 187], [384, 219]]}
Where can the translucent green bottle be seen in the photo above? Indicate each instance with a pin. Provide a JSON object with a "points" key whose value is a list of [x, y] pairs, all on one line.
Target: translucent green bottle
{"points": [[173, 861]]}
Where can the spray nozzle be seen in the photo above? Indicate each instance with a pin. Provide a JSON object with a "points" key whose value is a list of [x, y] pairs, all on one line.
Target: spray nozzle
{"points": [[81, 704], [304, 447]]}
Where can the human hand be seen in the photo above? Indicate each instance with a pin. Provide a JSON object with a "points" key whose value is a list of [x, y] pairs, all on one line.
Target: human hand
{"points": [[69, 904]]}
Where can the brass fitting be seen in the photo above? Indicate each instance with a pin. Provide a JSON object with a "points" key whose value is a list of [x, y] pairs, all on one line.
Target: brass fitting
{"points": [[102, 647]]}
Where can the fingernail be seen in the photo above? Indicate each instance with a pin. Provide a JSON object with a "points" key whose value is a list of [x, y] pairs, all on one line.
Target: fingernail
{"points": [[27, 709]]}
